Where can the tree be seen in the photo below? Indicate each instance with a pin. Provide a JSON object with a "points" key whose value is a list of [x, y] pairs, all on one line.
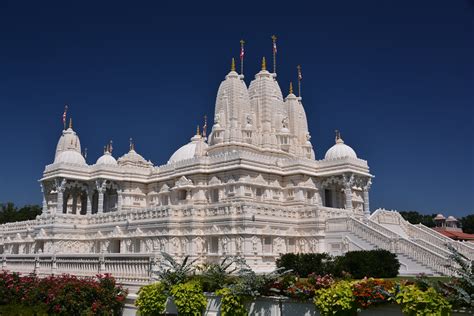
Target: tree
{"points": [[10, 213], [417, 218], [467, 223]]}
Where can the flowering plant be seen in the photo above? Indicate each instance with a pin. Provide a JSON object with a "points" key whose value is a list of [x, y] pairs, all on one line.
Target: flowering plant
{"points": [[64, 295], [371, 292]]}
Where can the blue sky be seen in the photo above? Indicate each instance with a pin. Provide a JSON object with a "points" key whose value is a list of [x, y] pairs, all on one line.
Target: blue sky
{"points": [[395, 77]]}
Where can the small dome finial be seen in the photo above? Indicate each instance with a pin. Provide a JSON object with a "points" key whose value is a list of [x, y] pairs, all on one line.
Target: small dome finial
{"points": [[70, 122], [132, 145], [232, 65], [198, 132], [264, 64], [291, 87], [338, 137]]}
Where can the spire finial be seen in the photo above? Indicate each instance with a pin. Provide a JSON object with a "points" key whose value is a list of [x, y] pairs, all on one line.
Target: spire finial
{"points": [[291, 87], [338, 137], [232, 65], [204, 127], [242, 53], [300, 77], [198, 132], [274, 39], [70, 122], [65, 115], [132, 145], [110, 146], [264, 63], [105, 149]]}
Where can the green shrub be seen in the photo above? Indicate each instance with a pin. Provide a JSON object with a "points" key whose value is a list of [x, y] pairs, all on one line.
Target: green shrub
{"points": [[304, 264], [21, 310], [189, 298], [376, 263], [152, 299], [416, 302], [336, 300], [231, 304]]}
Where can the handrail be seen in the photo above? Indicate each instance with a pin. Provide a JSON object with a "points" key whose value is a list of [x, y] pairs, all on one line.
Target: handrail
{"points": [[402, 245]]}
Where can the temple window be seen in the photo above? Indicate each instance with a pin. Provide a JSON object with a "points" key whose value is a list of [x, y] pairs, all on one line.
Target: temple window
{"points": [[215, 195], [181, 195], [214, 245], [291, 245], [328, 198], [267, 244], [114, 246]]}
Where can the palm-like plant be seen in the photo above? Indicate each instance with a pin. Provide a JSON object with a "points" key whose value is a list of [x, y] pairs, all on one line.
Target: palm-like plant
{"points": [[461, 288], [172, 272]]}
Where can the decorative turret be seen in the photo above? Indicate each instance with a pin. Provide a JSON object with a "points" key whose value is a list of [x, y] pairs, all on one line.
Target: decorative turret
{"points": [[133, 159], [68, 149], [267, 103], [232, 109], [298, 126]]}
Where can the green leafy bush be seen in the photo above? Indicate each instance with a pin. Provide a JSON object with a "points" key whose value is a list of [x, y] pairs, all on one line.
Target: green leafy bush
{"points": [[378, 263], [152, 299], [231, 304], [416, 302], [189, 298], [304, 264], [336, 300]]}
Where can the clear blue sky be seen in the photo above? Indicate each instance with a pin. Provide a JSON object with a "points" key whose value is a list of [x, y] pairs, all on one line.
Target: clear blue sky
{"points": [[396, 77]]}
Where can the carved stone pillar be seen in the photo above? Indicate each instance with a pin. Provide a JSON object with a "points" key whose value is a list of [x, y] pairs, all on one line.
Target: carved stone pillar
{"points": [[90, 194], [101, 186], [119, 199], [60, 188], [74, 202], [366, 198], [348, 181], [45, 203]]}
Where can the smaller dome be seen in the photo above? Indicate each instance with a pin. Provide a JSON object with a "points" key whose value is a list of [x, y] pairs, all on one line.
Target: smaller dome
{"points": [[106, 159], [133, 158], [439, 217], [340, 150], [70, 157], [451, 219], [196, 147]]}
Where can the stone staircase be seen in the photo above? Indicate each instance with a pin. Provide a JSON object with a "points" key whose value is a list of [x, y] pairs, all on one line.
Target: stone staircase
{"points": [[408, 266], [415, 255]]}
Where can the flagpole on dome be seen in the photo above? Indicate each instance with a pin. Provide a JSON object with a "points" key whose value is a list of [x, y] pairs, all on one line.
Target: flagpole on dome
{"points": [[204, 127], [242, 54], [65, 116], [300, 77], [274, 39]]}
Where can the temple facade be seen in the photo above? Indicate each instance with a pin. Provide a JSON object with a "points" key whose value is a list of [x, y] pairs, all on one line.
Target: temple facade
{"points": [[252, 187]]}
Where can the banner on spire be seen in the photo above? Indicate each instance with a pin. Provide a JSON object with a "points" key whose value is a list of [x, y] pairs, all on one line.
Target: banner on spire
{"points": [[64, 116]]}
